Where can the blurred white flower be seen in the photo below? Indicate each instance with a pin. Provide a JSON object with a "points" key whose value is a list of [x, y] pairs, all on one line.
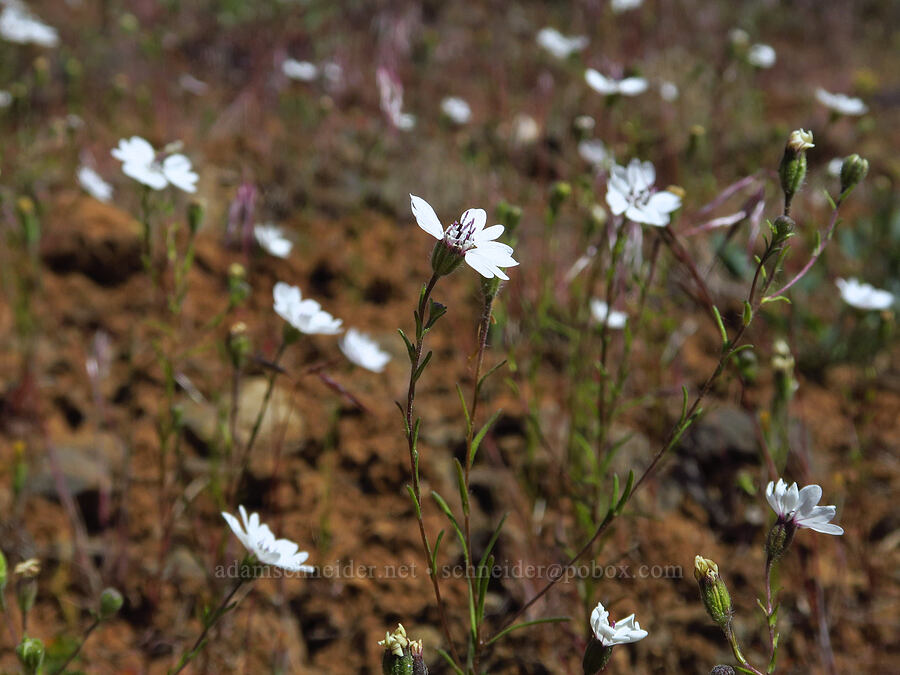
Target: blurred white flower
{"points": [[619, 6], [6, 99], [841, 103], [594, 152], [630, 86], [561, 46], [391, 92], [95, 186], [307, 316], [468, 237], [140, 161], [334, 73], [668, 91], [864, 296], [835, 166], [630, 191], [599, 309], [18, 24], [525, 129], [192, 85], [613, 633], [761, 56], [272, 240], [258, 539], [363, 351], [456, 109], [300, 70], [799, 507], [739, 38]]}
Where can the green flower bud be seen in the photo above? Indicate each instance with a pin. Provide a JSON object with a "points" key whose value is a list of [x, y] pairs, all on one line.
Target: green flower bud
{"points": [[779, 540], [783, 229], [509, 216], [238, 344], [853, 170], [31, 654], [445, 258], [792, 170], [559, 192], [713, 591], [722, 669], [110, 603], [596, 656], [26, 592], [238, 288]]}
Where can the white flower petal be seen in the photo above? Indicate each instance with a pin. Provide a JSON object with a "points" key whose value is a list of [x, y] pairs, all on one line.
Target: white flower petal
{"points": [[426, 217]]}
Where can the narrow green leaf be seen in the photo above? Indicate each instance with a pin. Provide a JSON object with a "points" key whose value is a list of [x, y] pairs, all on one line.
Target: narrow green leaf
{"points": [[526, 624], [492, 540], [721, 325], [447, 512], [684, 402], [830, 200], [410, 350], [626, 493], [615, 491], [450, 661], [422, 365], [461, 485], [488, 374], [412, 495], [434, 551], [480, 436], [462, 401], [748, 313]]}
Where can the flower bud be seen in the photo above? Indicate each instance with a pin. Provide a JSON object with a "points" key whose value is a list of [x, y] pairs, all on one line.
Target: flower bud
{"points": [[596, 656], [238, 344], [31, 654], [782, 229], [853, 170], [559, 192], [26, 592], [110, 603], [509, 216], [792, 170], [238, 288], [722, 669], [713, 591], [402, 656], [779, 540], [195, 216]]}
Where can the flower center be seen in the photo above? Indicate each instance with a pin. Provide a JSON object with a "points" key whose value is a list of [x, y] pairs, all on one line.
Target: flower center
{"points": [[461, 236]]}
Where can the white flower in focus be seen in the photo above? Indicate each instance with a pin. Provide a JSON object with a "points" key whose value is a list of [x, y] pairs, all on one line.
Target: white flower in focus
{"points": [[594, 152], [272, 240], [6, 99], [630, 86], [258, 539], [363, 351], [668, 91], [799, 507], [761, 56], [19, 25], [140, 161], [469, 238], [834, 167], [629, 191], [561, 46], [864, 296], [611, 633], [95, 186], [304, 71], [599, 309], [456, 109], [391, 91], [307, 316], [841, 103], [619, 6]]}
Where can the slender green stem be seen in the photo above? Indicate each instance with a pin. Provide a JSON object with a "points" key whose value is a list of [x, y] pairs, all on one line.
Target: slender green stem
{"points": [[72, 656], [220, 611], [736, 650]]}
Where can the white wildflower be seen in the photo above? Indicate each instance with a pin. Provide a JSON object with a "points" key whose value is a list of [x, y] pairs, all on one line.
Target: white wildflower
{"points": [[93, 184], [761, 56], [456, 109], [272, 240], [258, 539], [307, 316], [630, 86], [864, 296], [611, 633], [800, 507], [19, 25], [304, 71], [140, 161], [630, 191], [561, 46], [599, 310], [363, 351], [841, 103]]}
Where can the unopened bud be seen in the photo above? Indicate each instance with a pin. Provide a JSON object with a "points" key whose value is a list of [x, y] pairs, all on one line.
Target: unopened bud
{"points": [[31, 654], [509, 216], [110, 603], [713, 591], [445, 258], [26, 592], [722, 669], [559, 192], [783, 229], [853, 170], [238, 288], [238, 344], [792, 170], [596, 656]]}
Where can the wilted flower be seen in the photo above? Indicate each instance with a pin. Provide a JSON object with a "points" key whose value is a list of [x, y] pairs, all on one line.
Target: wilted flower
{"points": [[307, 316], [630, 86], [599, 310], [391, 92], [668, 91], [300, 70], [95, 186], [258, 539], [18, 24], [619, 6], [140, 161], [611, 633], [629, 191], [713, 591], [363, 351], [864, 296], [841, 103], [761, 56], [800, 507], [594, 152], [456, 109], [271, 238], [466, 238], [561, 46]]}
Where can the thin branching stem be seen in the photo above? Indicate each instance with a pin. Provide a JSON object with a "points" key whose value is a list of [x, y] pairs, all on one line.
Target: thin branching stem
{"points": [[77, 651]]}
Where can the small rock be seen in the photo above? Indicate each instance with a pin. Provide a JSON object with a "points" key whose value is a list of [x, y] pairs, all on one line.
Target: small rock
{"points": [[86, 465]]}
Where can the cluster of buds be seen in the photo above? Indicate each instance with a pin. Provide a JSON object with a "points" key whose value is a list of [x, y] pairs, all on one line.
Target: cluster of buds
{"points": [[402, 656]]}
